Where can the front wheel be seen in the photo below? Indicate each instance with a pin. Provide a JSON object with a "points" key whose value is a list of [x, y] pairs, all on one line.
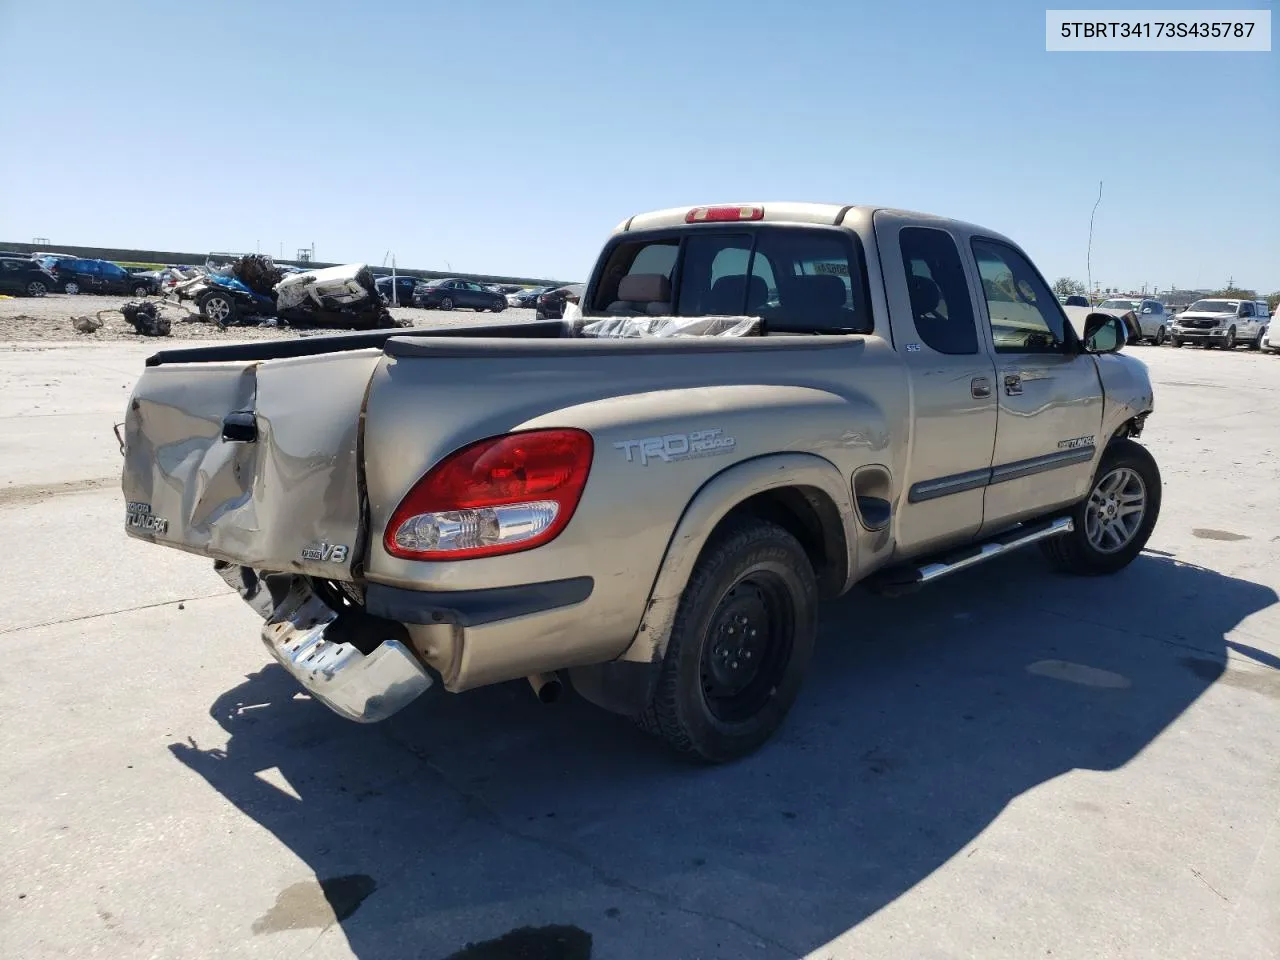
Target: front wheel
{"points": [[1114, 522], [219, 308], [1230, 342], [141, 291], [740, 644], [1175, 342], [37, 288], [71, 287]]}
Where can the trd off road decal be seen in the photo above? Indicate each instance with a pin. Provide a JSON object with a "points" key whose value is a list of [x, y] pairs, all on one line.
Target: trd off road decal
{"points": [[674, 447]]}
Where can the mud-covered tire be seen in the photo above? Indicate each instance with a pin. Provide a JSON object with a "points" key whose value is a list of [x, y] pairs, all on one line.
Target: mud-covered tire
{"points": [[1082, 552], [751, 576]]}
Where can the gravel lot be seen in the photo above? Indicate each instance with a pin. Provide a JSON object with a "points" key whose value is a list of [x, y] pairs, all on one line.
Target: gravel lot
{"points": [[26, 319], [1008, 765]]}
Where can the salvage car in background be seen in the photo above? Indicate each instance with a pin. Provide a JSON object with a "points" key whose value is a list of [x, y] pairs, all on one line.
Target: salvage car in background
{"points": [[77, 275], [1221, 322], [528, 299], [22, 276], [1153, 322], [401, 286], [450, 294], [550, 305]]}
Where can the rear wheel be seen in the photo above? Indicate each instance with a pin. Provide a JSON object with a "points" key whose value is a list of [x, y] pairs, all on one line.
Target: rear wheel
{"points": [[71, 287], [37, 288], [141, 291], [1114, 522], [1159, 340], [1256, 342], [740, 645], [446, 303]]}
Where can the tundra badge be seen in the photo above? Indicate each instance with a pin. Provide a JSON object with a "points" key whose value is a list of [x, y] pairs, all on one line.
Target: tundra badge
{"points": [[139, 516]]}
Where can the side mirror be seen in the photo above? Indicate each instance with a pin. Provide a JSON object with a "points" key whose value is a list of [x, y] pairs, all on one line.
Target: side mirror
{"points": [[1146, 309], [1103, 333]]}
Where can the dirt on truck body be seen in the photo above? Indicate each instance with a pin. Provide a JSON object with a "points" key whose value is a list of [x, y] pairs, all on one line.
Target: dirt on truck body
{"points": [[652, 516]]}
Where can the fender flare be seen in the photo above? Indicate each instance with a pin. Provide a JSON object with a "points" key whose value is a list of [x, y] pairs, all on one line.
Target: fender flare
{"points": [[624, 685], [711, 504]]}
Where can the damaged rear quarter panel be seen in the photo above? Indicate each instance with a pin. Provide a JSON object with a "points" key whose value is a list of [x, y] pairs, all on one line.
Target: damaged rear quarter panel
{"points": [[629, 509]]}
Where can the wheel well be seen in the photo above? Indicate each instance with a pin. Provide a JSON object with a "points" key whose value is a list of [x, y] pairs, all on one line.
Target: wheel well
{"points": [[810, 516], [1131, 427]]}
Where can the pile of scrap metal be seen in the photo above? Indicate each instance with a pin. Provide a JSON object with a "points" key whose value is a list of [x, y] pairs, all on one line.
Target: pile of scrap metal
{"points": [[252, 289], [146, 319]]}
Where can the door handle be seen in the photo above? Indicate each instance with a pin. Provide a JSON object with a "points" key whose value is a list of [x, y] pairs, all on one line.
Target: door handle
{"points": [[980, 387], [240, 427], [1013, 384]]}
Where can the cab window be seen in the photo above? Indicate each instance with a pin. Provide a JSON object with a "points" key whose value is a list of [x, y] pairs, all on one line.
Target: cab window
{"points": [[1025, 316], [938, 291]]}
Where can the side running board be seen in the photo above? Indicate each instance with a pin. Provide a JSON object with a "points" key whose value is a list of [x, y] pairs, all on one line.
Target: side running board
{"points": [[904, 578]]}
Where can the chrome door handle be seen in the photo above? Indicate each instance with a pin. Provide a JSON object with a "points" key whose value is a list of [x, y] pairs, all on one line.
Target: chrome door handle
{"points": [[1013, 384], [980, 387]]}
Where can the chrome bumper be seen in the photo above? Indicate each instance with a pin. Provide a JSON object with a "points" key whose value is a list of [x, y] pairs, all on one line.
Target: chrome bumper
{"points": [[361, 687]]}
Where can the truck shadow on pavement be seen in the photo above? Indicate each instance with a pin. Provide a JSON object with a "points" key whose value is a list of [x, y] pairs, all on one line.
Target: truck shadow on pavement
{"points": [[489, 826]]}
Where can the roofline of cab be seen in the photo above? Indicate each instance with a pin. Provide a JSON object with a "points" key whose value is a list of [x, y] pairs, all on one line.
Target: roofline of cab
{"points": [[827, 214]]}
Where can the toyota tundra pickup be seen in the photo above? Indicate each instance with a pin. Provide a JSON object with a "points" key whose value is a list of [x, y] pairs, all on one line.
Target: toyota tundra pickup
{"points": [[651, 518]]}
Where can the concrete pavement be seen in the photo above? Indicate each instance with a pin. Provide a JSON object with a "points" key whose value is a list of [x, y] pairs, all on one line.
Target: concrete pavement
{"points": [[1009, 765]]}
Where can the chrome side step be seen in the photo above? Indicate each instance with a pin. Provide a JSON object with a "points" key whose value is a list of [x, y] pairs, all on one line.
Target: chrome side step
{"points": [[1011, 541], [902, 579]]}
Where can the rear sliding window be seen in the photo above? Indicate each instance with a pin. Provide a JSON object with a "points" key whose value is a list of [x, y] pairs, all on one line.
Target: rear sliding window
{"points": [[795, 279]]}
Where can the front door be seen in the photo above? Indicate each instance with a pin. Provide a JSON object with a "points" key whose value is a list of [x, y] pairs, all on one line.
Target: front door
{"points": [[1049, 393], [953, 382]]}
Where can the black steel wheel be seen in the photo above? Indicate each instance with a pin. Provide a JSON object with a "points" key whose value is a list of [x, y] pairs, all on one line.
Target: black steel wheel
{"points": [[740, 644]]}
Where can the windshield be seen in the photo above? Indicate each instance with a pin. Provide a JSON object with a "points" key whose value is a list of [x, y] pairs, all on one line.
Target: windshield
{"points": [[1119, 304], [1214, 306]]}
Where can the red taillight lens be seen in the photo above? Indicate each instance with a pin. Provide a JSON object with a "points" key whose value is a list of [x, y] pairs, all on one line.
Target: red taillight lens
{"points": [[723, 214], [500, 495]]}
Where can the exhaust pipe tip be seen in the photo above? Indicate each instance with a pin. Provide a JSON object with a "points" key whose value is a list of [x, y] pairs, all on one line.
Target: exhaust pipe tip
{"points": [[546, 687]]}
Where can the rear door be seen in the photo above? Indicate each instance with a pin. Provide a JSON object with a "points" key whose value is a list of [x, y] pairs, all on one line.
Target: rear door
{"points": [[1049, 393], [934, 309]]}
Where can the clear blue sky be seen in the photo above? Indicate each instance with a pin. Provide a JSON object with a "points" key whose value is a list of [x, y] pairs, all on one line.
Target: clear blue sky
{"points": [[510, 137]]}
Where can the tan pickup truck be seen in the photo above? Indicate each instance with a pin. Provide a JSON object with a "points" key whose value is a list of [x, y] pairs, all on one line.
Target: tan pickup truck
{"points": [[652, 518]]}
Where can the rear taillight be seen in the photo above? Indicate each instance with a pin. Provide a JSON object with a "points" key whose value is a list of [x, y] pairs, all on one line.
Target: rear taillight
{"points": [[500, 495], [723, 214]]}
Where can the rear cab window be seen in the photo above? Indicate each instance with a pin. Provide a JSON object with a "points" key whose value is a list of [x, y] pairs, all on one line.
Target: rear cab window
{"points": [[796, 279]]}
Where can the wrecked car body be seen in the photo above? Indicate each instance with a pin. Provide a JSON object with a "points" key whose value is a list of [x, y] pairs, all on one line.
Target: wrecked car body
{"points": [[252, 288]]}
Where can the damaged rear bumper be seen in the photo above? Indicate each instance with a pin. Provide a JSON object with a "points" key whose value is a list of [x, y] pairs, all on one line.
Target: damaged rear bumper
{"points": [[305, 636]]}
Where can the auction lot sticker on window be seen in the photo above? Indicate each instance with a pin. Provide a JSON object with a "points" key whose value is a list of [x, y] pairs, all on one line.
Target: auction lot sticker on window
{"points": [[1246, 31]]}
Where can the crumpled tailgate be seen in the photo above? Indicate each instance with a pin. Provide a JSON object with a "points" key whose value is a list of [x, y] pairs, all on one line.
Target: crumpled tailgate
{"points": [[252, 462]]}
